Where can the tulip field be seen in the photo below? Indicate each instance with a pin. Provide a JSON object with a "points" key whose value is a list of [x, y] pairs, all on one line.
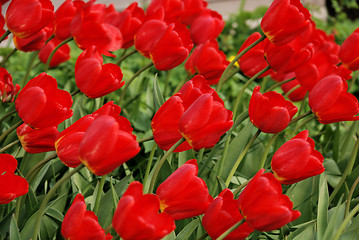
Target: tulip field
{"points": [[166, 121]]}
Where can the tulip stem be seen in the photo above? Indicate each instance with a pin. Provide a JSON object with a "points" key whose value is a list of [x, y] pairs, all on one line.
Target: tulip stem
{"points": [[160, 163], [294, 120], [9, 146], [29, 176], [124, 56], [12, 128], [149, 164], [29, 67], [345, 222], [99, 194], [244, 87], [231, 229], [241, 157], [47, 198], [350, 195], [266, 150], [54, 51], [278, 84], [7, 33], [145, 139], [8, 56], [300, 125], [75, 92], [231, 64], [131, 80], [108, 229], [346, 172], [7, 115]]}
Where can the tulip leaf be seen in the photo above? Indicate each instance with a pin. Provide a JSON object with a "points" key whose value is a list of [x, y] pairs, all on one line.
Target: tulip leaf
{"points": [[170, 236], [323, 203], [336, 217], [188, 230], [14, 230], [306, 231], [158, 98], [352, 231]]}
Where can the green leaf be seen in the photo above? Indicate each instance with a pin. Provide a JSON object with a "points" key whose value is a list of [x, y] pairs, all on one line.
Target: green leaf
{"points": [[14, 230], [158, 98], [336, 217], [170, 236], [305, 232], [188, 230], [323, 203]]}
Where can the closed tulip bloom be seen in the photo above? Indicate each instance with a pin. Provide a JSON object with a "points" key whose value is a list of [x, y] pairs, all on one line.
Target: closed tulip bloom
{"points": [[11, 185], [7, 88], [79, 223], [27, 17], [172, 9], [285, 20], [263, 205], [222, 214], [349, 51], [297, 159], [35, 42], [183, 194], [208, 61], [206, 27], [270, 112], [37, 140], [94, 78], [41, 104], [330, 102], [192, 9], [61, 55], [137, 216]]}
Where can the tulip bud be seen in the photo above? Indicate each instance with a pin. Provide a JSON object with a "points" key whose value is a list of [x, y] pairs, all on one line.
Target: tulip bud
{"points": [[349, 51], [7, 88], [61, 55]]}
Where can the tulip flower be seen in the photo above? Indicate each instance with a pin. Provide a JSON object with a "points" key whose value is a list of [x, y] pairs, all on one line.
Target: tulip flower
{"points": [[11, 185], [202, 126], [102, 141], [296, 160], [270, 112], [330, 102], [61, 55], [263, 205], [183, 194], [222, 214], [206, 27], [137, 216], [79, 223], [41, 104], [27, 17], [37, 140], [64, 16], [7, 88], [2, 23], [285, 20], [94, 78], [172, 9], [192, 9], [349, 51], [208, 61], [35, 42]]}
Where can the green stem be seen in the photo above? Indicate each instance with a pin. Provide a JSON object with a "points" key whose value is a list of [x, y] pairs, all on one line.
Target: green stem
{"points": [[131, 80], [12, 128], [231, 229], [241, 157], [30, 175], [99, 194], [350, 195], [231, 64], [9, 146], [244, 87], [266, 150], [29, 67], [294, 120], [296, 129], [346, 172], [238, 189], [7, 115], [8, 56], [286, 95], [75, 92], [183, 82], [203, 236], [54, 51], [47, 198], [200, 155], [345, 222], [4, 35], [125, 56], [160, 163], [278, 84], [145, 139], [149, 164]]}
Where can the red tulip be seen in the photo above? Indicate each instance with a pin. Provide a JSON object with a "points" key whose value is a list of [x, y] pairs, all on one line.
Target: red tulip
{"points": [[172, 9], [36, 41], [296, 160], [7, 88], [206, 27], [79, 223], [285, 20], [27, 17], [208, 61], [263, 205], [41, 104], [222, 214], [61, 55], [137, 216], [192, 9], [2, 22], [349, 51], [183, 194], [270, 112], [330, 102], [94, 78], [37, 140], [11, 185]]}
